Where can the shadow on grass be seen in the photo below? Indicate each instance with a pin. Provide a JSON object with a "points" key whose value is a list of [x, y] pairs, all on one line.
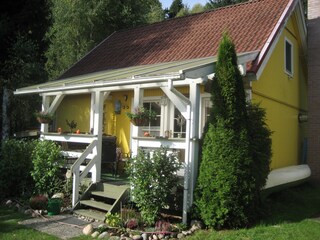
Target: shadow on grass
{"points": [[292, 205]]}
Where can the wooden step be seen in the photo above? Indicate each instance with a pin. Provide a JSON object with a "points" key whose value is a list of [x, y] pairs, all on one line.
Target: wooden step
{"points": [[97, 205], [90, 214], [107, 187], [110, 195]]}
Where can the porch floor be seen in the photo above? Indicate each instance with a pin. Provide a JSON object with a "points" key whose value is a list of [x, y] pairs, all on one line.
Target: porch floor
{"points": [[115, 179]]}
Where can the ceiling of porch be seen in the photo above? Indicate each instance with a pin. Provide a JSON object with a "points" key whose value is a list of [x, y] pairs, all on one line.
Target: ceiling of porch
{"points": [[194, 68]]}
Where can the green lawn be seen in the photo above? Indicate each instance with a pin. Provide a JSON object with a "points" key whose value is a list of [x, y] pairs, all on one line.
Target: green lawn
{"points": [[10, 229], [288, 215]]}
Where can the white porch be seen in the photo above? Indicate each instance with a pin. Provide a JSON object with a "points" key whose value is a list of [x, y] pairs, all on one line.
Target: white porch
{"points": [[167, 77]]}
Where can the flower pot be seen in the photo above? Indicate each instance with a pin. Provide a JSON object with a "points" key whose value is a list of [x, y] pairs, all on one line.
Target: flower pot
{"points": [[43, 120], [139, 121], [54, 206]]}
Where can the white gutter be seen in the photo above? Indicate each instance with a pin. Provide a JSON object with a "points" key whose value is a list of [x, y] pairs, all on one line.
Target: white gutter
{"points": [[275, 34], [100, 84]]}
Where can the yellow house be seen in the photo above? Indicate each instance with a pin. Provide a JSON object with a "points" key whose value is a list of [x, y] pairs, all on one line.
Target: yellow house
{"points": [[166, 67]]}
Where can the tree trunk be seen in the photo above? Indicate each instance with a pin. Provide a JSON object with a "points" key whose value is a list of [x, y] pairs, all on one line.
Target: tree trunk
{"points": [[5, 117]]}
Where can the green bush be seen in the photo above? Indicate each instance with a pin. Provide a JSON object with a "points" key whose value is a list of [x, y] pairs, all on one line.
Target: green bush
{"points": [[260, 143], [153, 176], [47, 161], [226, 188], [15, 167], [225, 193]]}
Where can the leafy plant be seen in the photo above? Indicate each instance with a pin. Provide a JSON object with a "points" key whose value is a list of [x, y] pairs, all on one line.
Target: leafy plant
{"points": [[72, 125], [153, 175], [39, 202], [113, 220], [132, 223], [15, 167], [141, 113], [44, 116], [47, 161]]}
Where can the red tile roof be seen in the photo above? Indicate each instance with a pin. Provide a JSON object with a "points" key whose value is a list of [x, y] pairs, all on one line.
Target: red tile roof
{"points": [[249, 25]]}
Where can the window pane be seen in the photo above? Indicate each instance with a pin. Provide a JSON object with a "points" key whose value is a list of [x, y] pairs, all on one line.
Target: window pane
{"points": [[179, 124], [288, 57]]}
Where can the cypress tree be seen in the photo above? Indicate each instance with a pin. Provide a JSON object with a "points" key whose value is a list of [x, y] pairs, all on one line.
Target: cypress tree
{"points": [[226, 186]]}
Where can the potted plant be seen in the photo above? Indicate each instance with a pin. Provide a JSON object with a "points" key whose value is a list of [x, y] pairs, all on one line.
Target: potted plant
{"points": [[44, 117], [140, 116], [71, 124]]}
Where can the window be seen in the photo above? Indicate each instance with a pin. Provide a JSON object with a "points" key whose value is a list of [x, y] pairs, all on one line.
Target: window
{"points": [[179, 126], [153, 126], [206, 109], [288, 57]]}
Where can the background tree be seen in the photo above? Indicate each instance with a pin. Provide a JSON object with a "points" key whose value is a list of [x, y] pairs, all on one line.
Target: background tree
{"points": [[22, 28], [23, 67], [225, 185], [156, 13], [175, 7], [80, 25], [221, 3]]}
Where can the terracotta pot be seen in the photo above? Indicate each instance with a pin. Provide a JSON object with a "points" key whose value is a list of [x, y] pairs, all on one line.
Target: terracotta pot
{"points": [[139, 121], [43, 120]]}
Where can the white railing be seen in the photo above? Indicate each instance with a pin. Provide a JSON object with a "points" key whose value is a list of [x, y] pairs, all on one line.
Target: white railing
{"points": [[75, 170], [78, 171]]}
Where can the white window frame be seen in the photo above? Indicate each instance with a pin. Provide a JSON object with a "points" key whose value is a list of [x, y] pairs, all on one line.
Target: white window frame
{"points": [[290, 73], [143, 129], [205, 99]]}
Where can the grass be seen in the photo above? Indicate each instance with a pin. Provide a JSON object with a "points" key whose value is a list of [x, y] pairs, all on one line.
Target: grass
{"points": [[288, 216], [10, 229]]}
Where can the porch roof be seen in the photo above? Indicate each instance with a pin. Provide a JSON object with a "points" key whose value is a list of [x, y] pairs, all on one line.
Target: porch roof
{"points": [[178, 70]]}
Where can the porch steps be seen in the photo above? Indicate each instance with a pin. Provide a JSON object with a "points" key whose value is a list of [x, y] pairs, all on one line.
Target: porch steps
{"points": [[103, 198], [96, 204]]}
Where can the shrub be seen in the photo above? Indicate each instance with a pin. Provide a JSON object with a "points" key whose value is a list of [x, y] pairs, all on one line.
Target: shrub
{"points": [[39, 202], [260, 142], [113, 220], [226, 186], [47, 161], [152, 177], [15, 167]]}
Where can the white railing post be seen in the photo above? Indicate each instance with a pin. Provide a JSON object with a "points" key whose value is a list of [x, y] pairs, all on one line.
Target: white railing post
{"points": [[75, 186]]}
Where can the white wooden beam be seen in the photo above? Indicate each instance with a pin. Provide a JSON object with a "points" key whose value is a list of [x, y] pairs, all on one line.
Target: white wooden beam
{"points": [[56, 102], [194, 135], [45, 107], [137, 102], [97, 130], [179, 100]]}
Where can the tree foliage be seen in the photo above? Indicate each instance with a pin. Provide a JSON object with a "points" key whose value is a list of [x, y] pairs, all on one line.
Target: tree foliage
{"points": [[22, 28], [152, 177], [15, 167], [79, 25], [174, 9], [47, 161], [225, 184], [222, 3]]}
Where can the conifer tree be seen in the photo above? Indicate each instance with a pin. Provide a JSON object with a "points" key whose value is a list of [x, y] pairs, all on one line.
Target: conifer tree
{"points": [[225, 184]]}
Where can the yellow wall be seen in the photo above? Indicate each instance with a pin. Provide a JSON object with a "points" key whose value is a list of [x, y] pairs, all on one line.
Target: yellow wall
{"points": [[77, 108], [284, 97]]}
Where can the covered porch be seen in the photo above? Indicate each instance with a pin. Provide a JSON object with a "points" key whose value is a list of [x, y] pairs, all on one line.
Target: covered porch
{"points": [[177, 89]]}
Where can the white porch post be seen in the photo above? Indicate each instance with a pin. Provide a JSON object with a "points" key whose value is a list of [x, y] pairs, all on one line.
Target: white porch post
{"points": [[137, 101], [194, 134], [45, 107], [98, 98]]}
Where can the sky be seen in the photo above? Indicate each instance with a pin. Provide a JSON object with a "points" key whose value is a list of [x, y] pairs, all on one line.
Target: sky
{"points": [[190, 3]]}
